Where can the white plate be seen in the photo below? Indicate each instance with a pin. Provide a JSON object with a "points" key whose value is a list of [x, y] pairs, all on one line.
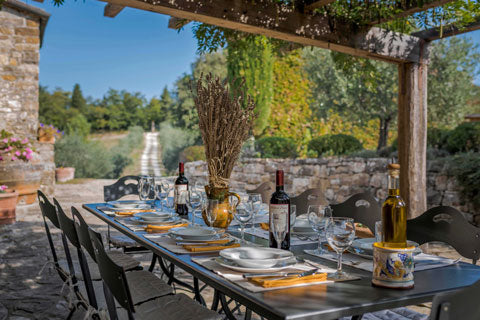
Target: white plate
{"points": [[304, 234], [214, 237], [152, 216], [232, 265], [127, 204], [364, 247], [253, 257], [167, 222], [195, 233], [302, 225]]}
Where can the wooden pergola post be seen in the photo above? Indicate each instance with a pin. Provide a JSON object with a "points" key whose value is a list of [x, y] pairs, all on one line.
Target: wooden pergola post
{"points": [[412, 133]]}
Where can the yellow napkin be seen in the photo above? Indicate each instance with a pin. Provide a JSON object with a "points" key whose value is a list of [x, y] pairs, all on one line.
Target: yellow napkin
{"points": [[152, 228], [132, 212], [264, 226], [210, 248], [201, 244], [290, 281]]}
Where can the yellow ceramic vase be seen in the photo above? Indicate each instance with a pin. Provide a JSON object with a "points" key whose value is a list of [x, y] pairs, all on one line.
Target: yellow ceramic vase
{"points": [[223, 216]]}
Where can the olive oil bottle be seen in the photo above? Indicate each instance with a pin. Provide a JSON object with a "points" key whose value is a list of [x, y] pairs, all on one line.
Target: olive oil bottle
{"points": [[394, 212]]}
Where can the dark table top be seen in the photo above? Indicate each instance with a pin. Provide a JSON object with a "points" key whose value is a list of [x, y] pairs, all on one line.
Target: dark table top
{"points": [[325, 301]]}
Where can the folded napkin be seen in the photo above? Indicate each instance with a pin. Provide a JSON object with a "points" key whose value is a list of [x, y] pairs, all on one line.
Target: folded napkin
{"points": [[289, 281], [210, 248], [131, 212], [153, 228], [200, 244], [265, 226]]}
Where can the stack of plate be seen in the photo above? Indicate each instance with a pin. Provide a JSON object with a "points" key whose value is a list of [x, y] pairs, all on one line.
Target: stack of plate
{"points": [[156, 218], [364, 247], [302, 227], [254, 259], [129, 205], [195, 234]]}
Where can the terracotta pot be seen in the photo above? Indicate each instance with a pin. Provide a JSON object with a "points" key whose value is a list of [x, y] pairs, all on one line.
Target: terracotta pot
{"points": [[224, 217], [27, 192], [64, 174], [45, 137], [8, 204]]}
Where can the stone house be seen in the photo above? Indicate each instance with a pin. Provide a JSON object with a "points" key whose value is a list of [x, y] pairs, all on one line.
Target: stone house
{"points": [[21, 32]]}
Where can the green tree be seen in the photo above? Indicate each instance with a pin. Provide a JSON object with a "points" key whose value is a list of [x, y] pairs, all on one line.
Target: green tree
{"points": [[78, 125], [78, 102]]}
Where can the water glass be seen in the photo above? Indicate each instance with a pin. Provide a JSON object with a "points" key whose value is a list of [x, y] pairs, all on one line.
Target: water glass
{"points": [[378, 231], [145, 187], [255, 201], [211, 210], [317, 216], [243, 213], [166, 189], [340, 234], [293, 215], [194, 202]]}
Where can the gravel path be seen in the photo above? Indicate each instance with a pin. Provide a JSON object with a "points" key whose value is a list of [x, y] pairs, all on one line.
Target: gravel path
{"points": [[151, 159]]}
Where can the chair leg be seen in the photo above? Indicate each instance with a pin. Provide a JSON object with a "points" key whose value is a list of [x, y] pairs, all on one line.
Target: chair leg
{"points": [[358, 317], [112, 309]]}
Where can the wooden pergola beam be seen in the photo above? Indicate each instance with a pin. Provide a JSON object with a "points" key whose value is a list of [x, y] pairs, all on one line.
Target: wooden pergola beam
{"points": [[285, 23], [314, 4], [176, 23], [448, 31], [411, 7], [112, 10]]}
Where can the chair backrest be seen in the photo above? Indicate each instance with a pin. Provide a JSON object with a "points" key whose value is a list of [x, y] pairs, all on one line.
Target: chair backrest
{"points": [[265, 189], [112, 274], [307, 198], [448, 225], [67, 225], [120, 189], [461, 304], [47, 208], [361, 207], [82, 232]]}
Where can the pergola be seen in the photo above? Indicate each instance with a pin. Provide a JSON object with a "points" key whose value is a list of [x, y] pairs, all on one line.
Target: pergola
{"points": [[300, 23]]}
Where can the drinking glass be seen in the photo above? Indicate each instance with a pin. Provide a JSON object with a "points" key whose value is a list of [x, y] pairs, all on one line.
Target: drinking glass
{"points": [[317, 215], [157, 190], [145, 187], [340, 235], [243, 213], [293, 215], [378, 231], [194, 202], [211, 210], [166, 188], [255, 201], [279, 227]]}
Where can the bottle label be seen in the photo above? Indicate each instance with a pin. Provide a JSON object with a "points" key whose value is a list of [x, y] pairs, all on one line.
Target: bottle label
{"points": [[180, 194], [279, 216]]}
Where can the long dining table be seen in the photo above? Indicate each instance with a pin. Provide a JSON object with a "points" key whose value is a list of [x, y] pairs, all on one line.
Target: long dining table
{"points": [[322, 301]]}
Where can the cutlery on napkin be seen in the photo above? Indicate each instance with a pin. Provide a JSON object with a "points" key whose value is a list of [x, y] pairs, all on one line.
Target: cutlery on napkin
{"points": [[204, 243], [288, 281], [131, 212], [153, 228], [210, 248]]}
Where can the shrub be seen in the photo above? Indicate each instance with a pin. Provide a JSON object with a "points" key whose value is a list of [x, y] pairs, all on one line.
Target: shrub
{"points": [[193, 153], [172, 141], [336, 144], [437, 138], [90, 159], [78, 125], [465, 137], [434, 153], [365, 154], [276, 147], [467, 171], [120, 154]]}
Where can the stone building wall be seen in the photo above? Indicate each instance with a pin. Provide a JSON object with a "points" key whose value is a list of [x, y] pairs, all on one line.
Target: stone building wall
{"points": [[338, 177], [20, 28]]}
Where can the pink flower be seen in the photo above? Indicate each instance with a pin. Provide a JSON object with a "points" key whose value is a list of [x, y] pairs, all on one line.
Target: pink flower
{"points": [[5, 140], [28, 150], [13, 139], [25, 141], [9, 148], [24, 153], [14, 158], [1, 158], [18, 153], [3, 187], [29, 156]]}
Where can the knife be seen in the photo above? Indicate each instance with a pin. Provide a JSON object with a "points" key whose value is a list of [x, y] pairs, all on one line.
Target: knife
{"points": [[279, 274]]}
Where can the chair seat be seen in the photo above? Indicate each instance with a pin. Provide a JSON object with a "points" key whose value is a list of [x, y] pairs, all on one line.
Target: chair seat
{"points": [[124, 260], [394, 314], [120, 241], [174, 307], [146, 286]]}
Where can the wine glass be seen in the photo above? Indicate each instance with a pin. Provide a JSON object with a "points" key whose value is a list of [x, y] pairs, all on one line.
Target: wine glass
{"points": [[293, 215], [194, 202], [243, 213], [157, 190], [166, 188], [255, 200], [211, 210], [279, 227], [317, 215], [145, 187], [340, 234]]}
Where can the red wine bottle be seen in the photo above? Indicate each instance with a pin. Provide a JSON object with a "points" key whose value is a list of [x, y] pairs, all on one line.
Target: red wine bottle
{"points": [[279, 210], [181, 192]]}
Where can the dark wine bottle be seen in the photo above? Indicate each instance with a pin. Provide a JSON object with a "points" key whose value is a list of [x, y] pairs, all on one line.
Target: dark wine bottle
{"points": [[181, 192], [279, 211]]}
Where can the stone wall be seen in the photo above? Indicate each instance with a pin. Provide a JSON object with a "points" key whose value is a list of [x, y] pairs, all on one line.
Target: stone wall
{"points": [[19, 58], [338, 177]]}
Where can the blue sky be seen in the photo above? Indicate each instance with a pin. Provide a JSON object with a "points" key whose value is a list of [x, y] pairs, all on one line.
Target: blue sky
{"points": [[134, 51]]}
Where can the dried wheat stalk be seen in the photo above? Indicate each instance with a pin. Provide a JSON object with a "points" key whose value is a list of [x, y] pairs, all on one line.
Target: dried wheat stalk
{"points": [[225, 120]]}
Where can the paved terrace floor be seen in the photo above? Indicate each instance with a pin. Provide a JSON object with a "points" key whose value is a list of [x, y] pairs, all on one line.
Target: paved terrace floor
{"points": [[27, 294]]}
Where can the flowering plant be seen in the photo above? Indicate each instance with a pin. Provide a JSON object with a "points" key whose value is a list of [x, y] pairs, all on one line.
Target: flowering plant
{"points": [[3, 188], [13, 148], [50, 130]]}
